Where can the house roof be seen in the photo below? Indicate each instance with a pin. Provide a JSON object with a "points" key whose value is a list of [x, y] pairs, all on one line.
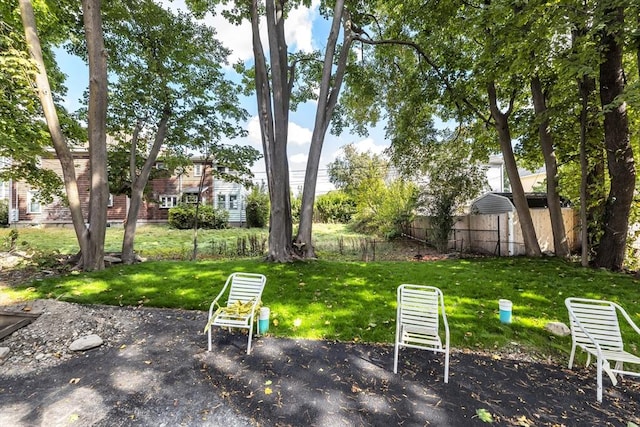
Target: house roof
{"points": [[194, 189]]}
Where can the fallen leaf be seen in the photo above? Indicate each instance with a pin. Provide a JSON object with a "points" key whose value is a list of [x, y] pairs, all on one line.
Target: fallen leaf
{"points": [[74, 380], [148, 362], [268, 390], [267, 382], [355, 389], [523, 421], [484, 415]]}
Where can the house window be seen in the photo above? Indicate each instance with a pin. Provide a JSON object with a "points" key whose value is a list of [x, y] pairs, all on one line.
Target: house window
{"points": [[167, 202], [233, 201], [191, 198], [110, 201], [197, 169], [222, 201], [221, 169], [4, 190], [33, 203], [160, 166]]}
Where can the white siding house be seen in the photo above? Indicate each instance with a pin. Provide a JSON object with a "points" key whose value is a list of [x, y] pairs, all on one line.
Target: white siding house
{"points": [[231, 197]]}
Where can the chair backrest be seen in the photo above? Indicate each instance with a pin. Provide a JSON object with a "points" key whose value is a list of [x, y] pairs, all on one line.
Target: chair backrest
{"points": [[598, 319], [245, 287], [418, 306]]}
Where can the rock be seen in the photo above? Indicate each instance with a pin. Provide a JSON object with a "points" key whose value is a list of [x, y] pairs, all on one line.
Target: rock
{"points": [[558, 328], [4, 353], [112, 259], [85, 343]]}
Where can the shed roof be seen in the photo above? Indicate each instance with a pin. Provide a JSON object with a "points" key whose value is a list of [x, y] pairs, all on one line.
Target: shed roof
{"points": [[492, 203]]}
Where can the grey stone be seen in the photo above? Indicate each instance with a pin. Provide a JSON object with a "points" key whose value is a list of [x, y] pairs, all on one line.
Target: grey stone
{"points": [[85, 343], [558, 328], [4, 353]]}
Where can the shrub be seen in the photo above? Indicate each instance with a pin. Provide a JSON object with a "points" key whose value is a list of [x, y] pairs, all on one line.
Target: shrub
{"points": [[335, 207], [386, 210], [296, 207], [183, 217], [4, 213], [257, 207]]}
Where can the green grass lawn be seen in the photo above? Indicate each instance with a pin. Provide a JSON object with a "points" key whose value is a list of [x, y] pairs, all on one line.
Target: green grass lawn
{"points": [[332, 241], [355, 301]]}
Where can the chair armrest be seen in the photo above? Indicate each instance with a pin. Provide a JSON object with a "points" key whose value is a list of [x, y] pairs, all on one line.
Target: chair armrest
{"points": [[215, 301], [628, 319]]}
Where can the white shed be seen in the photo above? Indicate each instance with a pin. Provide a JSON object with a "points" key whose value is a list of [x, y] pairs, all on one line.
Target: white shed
{"points": [[492, 203]]}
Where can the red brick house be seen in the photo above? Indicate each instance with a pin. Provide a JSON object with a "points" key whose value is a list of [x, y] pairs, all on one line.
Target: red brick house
{"points": [[25, 209]]}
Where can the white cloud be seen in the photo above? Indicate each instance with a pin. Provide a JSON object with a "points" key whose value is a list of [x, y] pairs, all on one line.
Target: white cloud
{"points": [[298, 159], [253, 128], [368, 144], [362, 146], [298, 135], [238, 37], [235, 37], [298, 27]]}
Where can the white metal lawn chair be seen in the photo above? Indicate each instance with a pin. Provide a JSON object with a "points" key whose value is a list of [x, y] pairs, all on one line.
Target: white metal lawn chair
{"points": [[595, 329], [242, 304], [418, 322]]}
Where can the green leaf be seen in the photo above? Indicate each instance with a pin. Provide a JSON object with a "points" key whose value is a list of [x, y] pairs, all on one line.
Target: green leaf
{"points": [[484, 415]]}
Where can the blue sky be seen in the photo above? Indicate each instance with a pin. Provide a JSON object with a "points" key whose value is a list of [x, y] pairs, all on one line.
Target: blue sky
{"points": [[306, 30]]}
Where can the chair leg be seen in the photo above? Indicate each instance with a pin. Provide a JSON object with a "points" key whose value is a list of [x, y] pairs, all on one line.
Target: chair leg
{"points": [[249, 342], [446, 366], [620, 367], [573, 353], [209, 338], [599, 380], [395, 360]]}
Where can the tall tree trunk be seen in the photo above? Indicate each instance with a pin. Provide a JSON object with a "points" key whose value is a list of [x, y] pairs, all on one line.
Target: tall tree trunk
{"points": [[583, 90], [138, 184], [93, 258], [51, 116], [620, 162], [592, 194], [560, 242], [327, 100], [532, 248], [273, 114]]}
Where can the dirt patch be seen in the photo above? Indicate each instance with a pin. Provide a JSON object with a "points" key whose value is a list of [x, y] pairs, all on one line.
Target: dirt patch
{"points": [[153, 369]]}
